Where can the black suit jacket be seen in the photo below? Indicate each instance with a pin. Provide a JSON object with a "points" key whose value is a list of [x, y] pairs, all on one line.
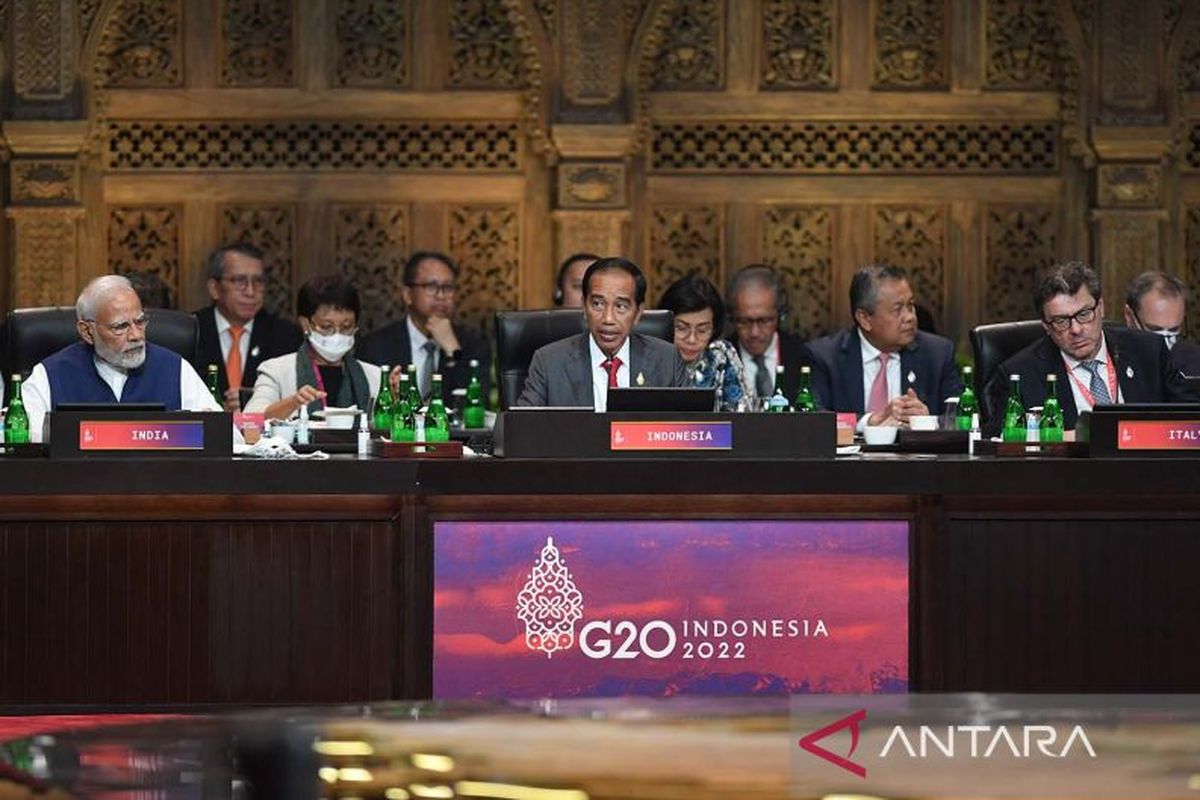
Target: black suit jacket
{"points": [[1145, 374], [270, 336], [1186, 357], [792, 355], [391, 345], [926, 366]]}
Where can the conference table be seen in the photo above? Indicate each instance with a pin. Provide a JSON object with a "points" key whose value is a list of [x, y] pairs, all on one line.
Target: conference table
{"points": [[174, 582]]}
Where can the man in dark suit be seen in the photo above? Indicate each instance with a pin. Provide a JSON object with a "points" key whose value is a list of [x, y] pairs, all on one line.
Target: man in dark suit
{"points": [[237, 282], [426, 336], [1155, 303], [758, 301], [883, 368], [579, 370], [1094, 365]]}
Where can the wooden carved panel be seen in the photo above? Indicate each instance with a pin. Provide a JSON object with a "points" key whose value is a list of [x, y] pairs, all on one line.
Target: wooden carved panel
{"points": [[1192, 275], [857, 147], [485, 241], [1021, 44], [1021, 239], [910, 44], [373, 42], [798, 50], [146, 239], [44, 255], [45, 181], [485, 51], [798, 241], [692, 54], [87, 15], [142, 45], [684, 239], [547, 11], [1189, 62], [593, 62], [591, 184], [257, 47], [293, 145], [43, 41], [271, 228], [914, 237], [370, 244]]}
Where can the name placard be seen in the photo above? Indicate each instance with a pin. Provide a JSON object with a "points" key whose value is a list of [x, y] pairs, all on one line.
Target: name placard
{"points": [[140, 435], [668, 435], [1158, 435]]}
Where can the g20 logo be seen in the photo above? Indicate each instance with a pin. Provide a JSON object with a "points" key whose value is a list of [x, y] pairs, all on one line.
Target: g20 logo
{"points": [[656, 639]]}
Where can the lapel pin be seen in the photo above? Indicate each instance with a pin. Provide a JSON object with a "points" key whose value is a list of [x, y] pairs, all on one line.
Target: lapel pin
{"points": [[1129, 372], [254, 352], [641, 379], [912, 377]]}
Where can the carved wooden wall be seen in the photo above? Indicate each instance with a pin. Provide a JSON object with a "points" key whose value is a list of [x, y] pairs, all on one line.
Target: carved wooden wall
{"points": [[969, 140]]}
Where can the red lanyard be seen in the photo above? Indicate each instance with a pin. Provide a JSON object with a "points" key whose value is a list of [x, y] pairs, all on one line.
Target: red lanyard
{"points": [[1086, 392]]}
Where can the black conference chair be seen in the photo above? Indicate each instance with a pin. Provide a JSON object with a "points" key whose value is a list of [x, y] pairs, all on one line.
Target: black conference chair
{"points": [[520, 333], [992, 345], [35, 333]]}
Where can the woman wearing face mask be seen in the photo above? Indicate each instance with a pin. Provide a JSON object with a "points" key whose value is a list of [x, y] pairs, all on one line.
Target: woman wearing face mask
{"points": [[321, 373]]}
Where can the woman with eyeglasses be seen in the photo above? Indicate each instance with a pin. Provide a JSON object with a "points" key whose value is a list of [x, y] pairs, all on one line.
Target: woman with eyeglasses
{"points": [[322, 372], [699, 322]]}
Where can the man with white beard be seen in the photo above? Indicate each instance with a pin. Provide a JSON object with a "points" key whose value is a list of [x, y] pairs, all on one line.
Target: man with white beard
{"points": [[113, 363]]}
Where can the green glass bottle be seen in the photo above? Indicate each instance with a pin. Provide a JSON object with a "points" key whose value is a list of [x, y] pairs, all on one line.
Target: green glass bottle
{"points": [[414, 390], [402, 413], [1050, 429], [214, 384], [968, 407], [384, 404], [16, 421], [778, 404], [437, 424], [473, 415], [804, 397], [1014, 412]]}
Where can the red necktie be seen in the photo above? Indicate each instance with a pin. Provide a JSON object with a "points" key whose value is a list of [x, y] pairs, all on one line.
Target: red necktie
{"points": [[879, 389], [233, 364], [611, 366]]}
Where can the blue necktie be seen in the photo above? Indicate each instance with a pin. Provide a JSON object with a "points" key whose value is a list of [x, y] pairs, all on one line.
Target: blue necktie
{"points": [[1099, 385]]}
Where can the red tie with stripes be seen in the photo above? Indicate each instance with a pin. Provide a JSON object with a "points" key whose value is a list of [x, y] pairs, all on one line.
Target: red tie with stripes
{"points": [[611, 366]]}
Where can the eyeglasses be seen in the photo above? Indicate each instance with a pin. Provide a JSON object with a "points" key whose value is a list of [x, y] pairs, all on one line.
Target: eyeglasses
{"points": [[754, 322], [1083, 316], [701, 331], [330, 330], [436, 289], [244, 282], [122, 328]]}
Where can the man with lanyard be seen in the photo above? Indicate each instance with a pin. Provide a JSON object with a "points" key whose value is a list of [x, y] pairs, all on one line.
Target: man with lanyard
{"points": [[1094, 365]]}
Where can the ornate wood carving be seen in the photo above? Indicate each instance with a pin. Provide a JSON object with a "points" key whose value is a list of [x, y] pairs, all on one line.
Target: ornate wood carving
{"points": [[692, 50], [591, 184], [290, 145], [684, 239], [798, 50], [146, 239], [850, 147], [914, 237], [1021, 239], [373, 43], [1022, 44], [1191, 237], [1131, 39], [485, 240], [485, 51], [257, 47], [910, 44], [1189, 61], [43, 60], [142, 45], [272, 229], [591, 231], [370, 244], [45, 181], [44, 255], [798, 241], [87, 15], [1129, 242], [547, 11], [593, 60], [1129, 184]]}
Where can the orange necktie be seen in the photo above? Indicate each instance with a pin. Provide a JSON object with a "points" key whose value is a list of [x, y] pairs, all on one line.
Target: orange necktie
{"points": [[233, 364]]}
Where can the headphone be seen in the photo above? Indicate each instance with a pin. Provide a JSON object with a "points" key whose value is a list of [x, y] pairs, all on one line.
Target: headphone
{"points": [[768, 276], [562, 271]]}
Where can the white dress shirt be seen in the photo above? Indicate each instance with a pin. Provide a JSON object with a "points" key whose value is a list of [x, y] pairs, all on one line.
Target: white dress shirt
{"points": [[870, 367], [35, 392], [770, 358], [417, 342], [600, 374], [225, 337], [1077, 373]]}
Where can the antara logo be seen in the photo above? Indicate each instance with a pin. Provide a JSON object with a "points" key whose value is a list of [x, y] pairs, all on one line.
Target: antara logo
{"points": [[969, 741]]}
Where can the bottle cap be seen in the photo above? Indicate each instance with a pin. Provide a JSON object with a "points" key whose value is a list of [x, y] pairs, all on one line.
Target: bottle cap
{"points": [[1050, 376], [806, 369], [778, 368], [437, 376], [473, 363], [1014, 377], [968, 368]]}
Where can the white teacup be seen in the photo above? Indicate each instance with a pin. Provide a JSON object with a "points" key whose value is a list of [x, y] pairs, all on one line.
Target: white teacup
{"points": [[880, 434], [283, 432], [923, 422]]}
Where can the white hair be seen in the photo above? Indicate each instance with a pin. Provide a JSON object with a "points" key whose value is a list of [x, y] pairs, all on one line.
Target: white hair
{"points": [[96, 292]]}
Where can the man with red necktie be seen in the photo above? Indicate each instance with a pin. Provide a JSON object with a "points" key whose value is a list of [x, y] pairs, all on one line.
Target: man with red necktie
{"points": [[579, 370]]}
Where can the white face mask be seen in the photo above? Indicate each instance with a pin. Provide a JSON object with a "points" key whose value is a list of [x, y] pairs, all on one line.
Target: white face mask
{"points": [[331, 347]]}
